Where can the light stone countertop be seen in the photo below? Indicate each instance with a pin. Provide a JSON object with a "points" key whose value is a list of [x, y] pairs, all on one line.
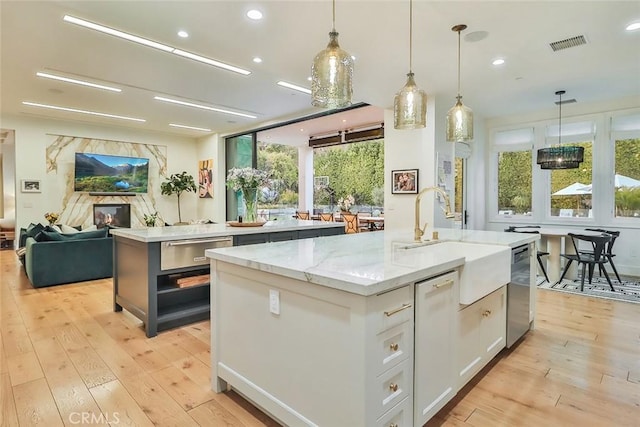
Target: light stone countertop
{"points": [[364, 263], [198, 231]]}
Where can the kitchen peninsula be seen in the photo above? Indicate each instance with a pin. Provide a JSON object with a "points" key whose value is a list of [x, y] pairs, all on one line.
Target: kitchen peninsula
{"points": [[150, 265], [358, 330]]}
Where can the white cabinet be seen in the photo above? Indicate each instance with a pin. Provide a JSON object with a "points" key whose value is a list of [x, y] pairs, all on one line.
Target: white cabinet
{"points": [[482, 331], [435, 327]]}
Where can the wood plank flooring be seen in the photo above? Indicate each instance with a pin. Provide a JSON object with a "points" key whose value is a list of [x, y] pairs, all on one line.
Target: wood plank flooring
{"points": [[66, 359]]}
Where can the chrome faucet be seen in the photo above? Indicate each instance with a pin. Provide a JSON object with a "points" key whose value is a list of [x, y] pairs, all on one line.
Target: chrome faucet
{"points": [[419, 232]]}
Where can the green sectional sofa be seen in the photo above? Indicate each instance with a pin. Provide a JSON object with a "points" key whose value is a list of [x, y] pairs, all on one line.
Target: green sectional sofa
{"points": [[53, 258]]}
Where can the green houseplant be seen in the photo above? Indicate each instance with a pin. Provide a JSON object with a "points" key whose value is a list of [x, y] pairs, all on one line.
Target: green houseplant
{"points": [[176, 184]]}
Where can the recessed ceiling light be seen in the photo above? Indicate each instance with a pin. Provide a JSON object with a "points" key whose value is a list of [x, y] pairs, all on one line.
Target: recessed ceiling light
{"points": [[498, 61], [189, 127], [344, 120], [74, 110], [183, 34], [254, 14], [633, 26], [294, 87], [353, 57], [153, 44], [78, 82], [301, 129], [203, 107], [257, 60], [309, 78]]}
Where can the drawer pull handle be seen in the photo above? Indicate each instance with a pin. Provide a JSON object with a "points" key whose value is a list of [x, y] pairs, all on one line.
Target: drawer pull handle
{"points": [[393, 425], [397, 310], [443, 284], [394, 347], [486, 313], [393, 387]]}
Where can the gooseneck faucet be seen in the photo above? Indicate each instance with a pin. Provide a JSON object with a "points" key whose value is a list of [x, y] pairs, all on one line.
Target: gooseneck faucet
{"points": [[419, 232]]}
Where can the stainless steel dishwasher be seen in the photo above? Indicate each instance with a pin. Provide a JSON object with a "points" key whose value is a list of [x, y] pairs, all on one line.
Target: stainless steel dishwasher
{"points": [[189, 253], [518, 294]]}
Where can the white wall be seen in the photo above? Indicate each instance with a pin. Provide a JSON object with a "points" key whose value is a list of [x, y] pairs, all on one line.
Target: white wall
{"points": [[30, 144]]}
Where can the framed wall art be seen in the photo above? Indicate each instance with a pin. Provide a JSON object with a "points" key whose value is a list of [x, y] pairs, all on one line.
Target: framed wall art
{"points": [[404, 181], [30, 186]]}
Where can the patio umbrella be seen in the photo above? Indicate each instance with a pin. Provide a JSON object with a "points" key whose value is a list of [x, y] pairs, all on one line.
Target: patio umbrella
{"points": [[619, 181], [575, 189]]}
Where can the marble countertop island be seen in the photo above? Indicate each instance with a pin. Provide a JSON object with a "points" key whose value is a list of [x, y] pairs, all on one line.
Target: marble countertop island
{"points": [[365, 263], [197, 231]]}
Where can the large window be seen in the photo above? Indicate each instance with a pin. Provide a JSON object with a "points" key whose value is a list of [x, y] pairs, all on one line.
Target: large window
{"points": [[514, 168], [571, 188], [627, 178], [355, 169], [281, 163]]}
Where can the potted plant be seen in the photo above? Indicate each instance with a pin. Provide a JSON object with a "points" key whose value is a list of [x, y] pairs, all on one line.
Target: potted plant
{"points": [[176, 184], [150, 219]]}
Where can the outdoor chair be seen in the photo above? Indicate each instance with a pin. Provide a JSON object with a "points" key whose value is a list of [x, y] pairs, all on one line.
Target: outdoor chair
{"points": [[350, 223], [609, 250], [302, 214], [326, 217], [539, 253], [596, 257], [363, 225]]}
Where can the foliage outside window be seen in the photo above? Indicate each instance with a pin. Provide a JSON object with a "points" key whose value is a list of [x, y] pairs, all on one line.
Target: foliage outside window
{"points": [[627, 165], [280, 198], [578, 202], [514, 182], [355, 169]]}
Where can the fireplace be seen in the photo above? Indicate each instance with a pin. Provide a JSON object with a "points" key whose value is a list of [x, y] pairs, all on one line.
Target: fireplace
{"points": [[117, 215]]}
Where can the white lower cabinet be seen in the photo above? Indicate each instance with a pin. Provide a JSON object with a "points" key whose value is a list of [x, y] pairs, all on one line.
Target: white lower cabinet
{"points": [[435, 327], [482, 331]]}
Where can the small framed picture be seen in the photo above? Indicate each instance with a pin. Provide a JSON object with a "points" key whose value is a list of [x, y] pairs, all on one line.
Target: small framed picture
{"points": [[404, 181], [30, 186]]}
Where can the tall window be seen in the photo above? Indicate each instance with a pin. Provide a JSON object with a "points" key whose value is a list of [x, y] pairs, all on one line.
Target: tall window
{"points": [[571, 189], [627, 178], [281, 163], [240, 153], [514, 169]]}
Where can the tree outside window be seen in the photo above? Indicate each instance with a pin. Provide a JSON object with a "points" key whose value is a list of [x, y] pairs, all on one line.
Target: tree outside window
{"points": [[627, 172], [514, 182], [577, 201]]}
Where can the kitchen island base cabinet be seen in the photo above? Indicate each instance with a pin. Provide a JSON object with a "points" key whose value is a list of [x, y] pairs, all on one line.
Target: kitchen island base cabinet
{"points": [[482, 331], [328, 355]]}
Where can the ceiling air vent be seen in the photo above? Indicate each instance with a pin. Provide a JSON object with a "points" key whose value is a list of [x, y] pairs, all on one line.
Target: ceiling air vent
{"points": [[567, 43]]}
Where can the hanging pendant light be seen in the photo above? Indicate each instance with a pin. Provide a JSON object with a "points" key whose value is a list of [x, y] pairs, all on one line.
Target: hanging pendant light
{"points": [[560, 157], [460, 117], [410, 104], [331, 74]]}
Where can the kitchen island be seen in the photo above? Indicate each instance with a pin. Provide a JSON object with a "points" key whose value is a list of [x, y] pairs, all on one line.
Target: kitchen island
{"points": [[357, 330], [161, 275]]}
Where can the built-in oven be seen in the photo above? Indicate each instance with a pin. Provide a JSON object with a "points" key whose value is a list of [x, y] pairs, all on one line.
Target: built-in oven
{"points": [[519, 294]]}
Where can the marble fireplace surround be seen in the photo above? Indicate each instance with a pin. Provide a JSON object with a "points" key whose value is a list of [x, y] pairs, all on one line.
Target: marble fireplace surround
{"points": [[76, 208]]}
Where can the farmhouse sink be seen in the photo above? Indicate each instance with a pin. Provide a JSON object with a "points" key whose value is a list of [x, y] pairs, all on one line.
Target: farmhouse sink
{"points": [[486, 268]]}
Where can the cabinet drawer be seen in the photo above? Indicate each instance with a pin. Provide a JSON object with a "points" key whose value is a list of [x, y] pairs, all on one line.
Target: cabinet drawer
{"points": [[391, 387], [392, 308], [393, 346], [399, 416], [432, 285]]}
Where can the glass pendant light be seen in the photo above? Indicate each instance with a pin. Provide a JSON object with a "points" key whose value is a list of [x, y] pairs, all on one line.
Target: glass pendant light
{"points": [[410, 104], [331, 74], [560, 157], [459, 117]]}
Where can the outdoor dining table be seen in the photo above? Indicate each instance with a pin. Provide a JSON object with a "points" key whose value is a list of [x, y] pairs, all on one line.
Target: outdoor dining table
{"points": [[373, 221], [551, 241]]}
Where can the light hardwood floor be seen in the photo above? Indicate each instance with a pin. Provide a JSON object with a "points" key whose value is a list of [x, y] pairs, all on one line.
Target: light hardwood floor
{"points": [[66, 355]]}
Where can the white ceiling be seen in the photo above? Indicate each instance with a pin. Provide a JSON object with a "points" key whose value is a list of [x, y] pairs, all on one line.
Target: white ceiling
{"points": [[35, 38]]}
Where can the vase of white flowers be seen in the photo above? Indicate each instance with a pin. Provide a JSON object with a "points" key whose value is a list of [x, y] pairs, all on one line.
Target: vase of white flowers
{"points": [[247, 181], [345, 203]]}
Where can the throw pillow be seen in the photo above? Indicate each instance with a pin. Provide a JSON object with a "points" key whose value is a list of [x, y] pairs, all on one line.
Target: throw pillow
{"points": [[68, 229], [90, 228], [52, 236], [34, 229]]}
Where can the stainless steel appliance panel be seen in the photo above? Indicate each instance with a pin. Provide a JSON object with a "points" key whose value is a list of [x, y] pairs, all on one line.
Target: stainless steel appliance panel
{"points": [[189, 253], [518, 294]]}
